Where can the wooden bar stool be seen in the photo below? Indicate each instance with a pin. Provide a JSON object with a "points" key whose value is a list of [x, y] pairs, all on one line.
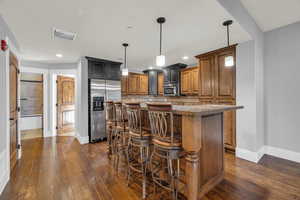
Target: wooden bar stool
{"points": [[138, 144], [120, 133], [110, 125], [167, 149]]}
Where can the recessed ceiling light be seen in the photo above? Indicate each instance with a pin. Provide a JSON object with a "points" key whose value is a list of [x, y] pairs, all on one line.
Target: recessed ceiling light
{"points": [[185, 58], [59, 55]]}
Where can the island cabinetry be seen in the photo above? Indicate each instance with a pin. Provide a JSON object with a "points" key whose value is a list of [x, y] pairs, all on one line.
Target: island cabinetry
{"points": [[190, 81]]}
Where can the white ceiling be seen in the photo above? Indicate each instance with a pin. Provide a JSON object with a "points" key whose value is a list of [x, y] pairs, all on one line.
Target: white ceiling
{"points": [[192, 27], [271, 14]]}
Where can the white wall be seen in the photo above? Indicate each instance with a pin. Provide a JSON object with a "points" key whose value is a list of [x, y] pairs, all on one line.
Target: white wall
{"points": [[256, 139], [29, 123], [282, 81], [245, 95], [82, 100], [5, 34]]}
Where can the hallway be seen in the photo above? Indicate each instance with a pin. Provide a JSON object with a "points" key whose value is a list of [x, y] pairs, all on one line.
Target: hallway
{"points": [[59, 168]]}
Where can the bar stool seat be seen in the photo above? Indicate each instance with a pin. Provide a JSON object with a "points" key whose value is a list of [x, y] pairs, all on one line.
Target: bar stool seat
{"points": [[163, 144]]}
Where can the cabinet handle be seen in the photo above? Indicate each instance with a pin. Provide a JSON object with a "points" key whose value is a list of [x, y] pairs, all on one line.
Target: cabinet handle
{"points": [[11, 119]]}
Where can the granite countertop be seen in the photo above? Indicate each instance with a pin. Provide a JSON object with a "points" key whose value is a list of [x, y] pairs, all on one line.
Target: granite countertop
{"points": [[198, 109]]}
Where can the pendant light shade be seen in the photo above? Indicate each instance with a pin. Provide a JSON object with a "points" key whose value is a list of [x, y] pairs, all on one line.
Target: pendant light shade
{"points": [[124, 68], [160, 59], [229, 60]]}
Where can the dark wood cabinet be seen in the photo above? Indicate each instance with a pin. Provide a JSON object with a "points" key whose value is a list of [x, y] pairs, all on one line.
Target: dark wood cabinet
{"points": [[103, 69]]}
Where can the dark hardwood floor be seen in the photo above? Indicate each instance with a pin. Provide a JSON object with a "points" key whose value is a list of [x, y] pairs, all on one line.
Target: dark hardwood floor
{"points": [[60, 169]]}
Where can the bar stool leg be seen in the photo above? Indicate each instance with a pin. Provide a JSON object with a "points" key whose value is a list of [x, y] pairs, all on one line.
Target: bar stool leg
{"points": [[143, 162]]}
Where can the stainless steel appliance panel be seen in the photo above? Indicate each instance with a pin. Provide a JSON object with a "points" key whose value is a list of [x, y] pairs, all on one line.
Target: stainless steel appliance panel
{"points": [[97, 110]]}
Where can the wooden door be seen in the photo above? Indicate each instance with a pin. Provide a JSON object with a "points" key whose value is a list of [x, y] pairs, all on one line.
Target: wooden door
{"points": [[206, 76], [195, 80], [124, 85], [13, 117], [160, 84], [143, 89], [185, 82], [65, 105], [225, 76]]}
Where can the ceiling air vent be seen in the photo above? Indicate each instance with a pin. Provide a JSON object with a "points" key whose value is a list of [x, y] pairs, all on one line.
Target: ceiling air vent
{"points": [[63, 34]]}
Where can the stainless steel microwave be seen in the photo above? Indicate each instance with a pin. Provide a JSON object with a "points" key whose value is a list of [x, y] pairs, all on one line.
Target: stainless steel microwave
{"points": [[170, 90]]}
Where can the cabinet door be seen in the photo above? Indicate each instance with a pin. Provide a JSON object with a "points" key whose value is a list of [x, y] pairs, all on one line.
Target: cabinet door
{"points": [[195, 80], [161, 84], [225, 77], [143, 84], [124, 85], [229, 126], [185, 82], [206, 76], [133, 84]]}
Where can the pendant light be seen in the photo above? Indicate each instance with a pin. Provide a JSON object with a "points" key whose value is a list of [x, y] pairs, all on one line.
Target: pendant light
{"points": [[229, 60], [125, 69], [161, 59]]}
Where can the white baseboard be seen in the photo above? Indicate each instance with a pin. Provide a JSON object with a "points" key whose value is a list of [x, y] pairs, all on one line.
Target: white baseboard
{"points": [[49, 134], [249, 155], [83, 140], [283, 153], [4, 172], [273, 151]]}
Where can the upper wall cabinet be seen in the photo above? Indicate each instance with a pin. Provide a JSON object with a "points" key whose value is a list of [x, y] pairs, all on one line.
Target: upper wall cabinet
{"points": [[225, 76], [160, 84], [190, 81], [103, 69], [217, 81], [134, 84], [206, 77]]}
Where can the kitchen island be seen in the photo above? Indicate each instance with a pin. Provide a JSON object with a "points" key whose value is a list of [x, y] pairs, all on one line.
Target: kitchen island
{"points": [[203, 143]]}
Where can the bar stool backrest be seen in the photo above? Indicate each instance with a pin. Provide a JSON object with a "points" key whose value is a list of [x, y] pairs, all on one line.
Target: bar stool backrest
{"points": [[110, 111], [134, 118], [121, 116], [161, 122]]}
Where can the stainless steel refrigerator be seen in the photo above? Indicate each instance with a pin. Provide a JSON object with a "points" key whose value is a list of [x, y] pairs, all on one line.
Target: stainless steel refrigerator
{"points": [[99, 92]]}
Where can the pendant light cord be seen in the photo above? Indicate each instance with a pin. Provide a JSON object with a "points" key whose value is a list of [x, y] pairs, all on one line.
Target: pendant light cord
{"points": [[228, 35], [160, 42], [125, 59]]}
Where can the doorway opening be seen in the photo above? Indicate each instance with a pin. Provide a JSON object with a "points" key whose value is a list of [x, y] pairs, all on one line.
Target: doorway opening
{"points": [[31, 101], [64, 109]]}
